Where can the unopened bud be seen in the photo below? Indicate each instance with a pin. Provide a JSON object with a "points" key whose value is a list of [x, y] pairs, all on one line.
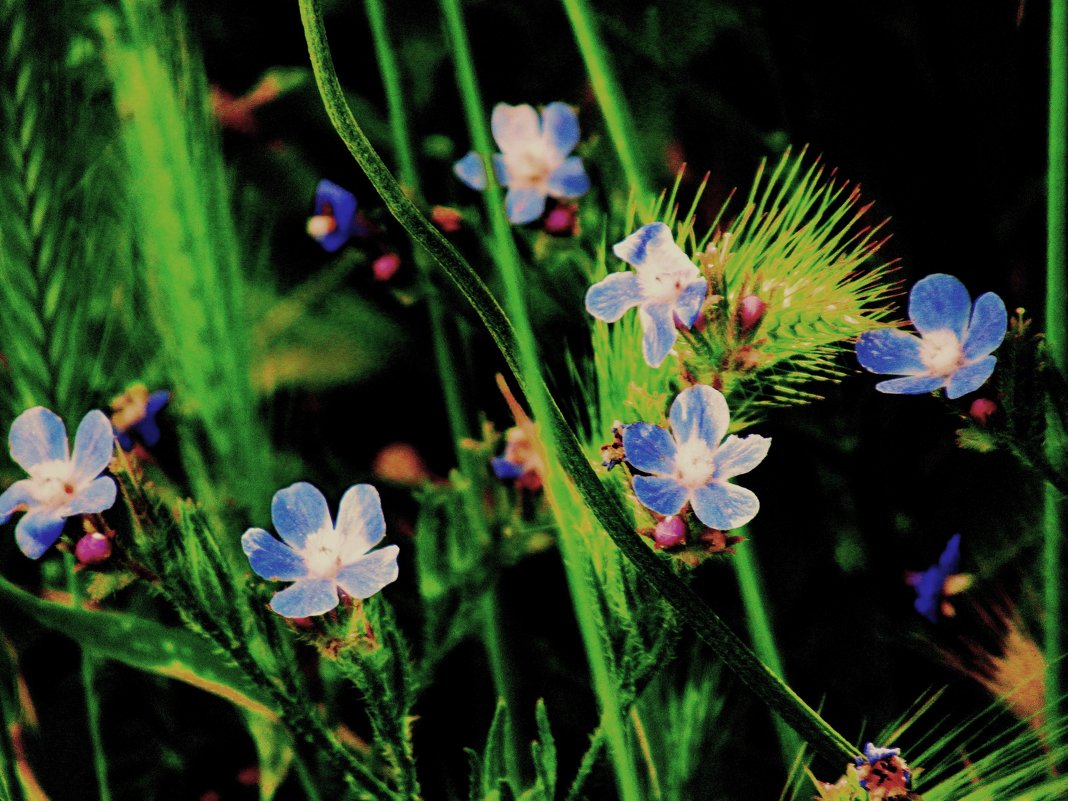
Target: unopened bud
{"points": [[562, 221], [669, 532], [386, 266], [448, 220], [750, 313], [981, 410], [93, 548]]}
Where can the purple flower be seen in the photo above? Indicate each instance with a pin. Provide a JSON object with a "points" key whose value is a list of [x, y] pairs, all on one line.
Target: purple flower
{"points": [[692, 463], [318, 557], [954, 346], [60, 485], [534, 162], [134, 412], [935, 584], [334, 221], [665, 286]]}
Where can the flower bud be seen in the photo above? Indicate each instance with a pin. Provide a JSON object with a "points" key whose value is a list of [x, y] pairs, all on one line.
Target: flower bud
{"points": [[981, 410], [93, 548], [669, 532], [562, 220], [447, 219], [386, 266], [750, 313]]}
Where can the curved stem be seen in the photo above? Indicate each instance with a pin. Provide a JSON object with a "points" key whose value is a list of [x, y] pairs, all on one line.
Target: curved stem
{"points": [[609, 510]]}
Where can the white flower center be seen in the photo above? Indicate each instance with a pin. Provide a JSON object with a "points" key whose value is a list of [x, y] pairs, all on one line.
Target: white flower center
{"points": [[53, 484], [529, 166], [322, 553], [941, 352], [658, 286], [694, 463]]}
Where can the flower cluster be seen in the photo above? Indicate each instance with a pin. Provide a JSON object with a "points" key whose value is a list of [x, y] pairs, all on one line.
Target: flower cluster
{"points": [[955, 343], [318, 556], [534, 162], [883, 773], [60, 484]]}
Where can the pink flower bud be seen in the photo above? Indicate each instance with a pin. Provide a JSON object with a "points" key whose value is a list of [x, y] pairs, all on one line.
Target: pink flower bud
{"points": [[562, 220], [447, 219], [981, 410], [93, 548], [669, 532], [386, 266], [750, 312]]}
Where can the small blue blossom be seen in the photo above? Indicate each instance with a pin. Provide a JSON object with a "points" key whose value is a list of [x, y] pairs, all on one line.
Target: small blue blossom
{"points": [[666, 286], [935, 584], [334, 221], [134, 413], [533, 163], [954, 346], [692, 463], [519, 462], [60, 485], [319, 557]]}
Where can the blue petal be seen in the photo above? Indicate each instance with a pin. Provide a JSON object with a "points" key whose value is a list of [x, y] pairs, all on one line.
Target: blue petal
{"points": [[611, 297], [299, 510], [929, 594], [156, 401], [18, 494], [98, 496], [724, 506], [305, 598], [987, 327], [270, 558], [94, 445], [504, 469], [887, 350], [663, 495], [524, 205], [125, 440], [38, 435], [514, 127], [649, 448], [36, 533], [739, 455], [500, 169], [340, 203], [653, 244], [360, 521], [560, 127], [147, 430], [700, 412], [569, 180], [949, 561], [471, 171], [370, 573], [688, 306], [912, 385], [938, 302], [658, 332], [970, 377]]}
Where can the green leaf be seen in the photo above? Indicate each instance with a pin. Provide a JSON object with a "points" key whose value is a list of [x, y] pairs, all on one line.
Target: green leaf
{"points": [[544, 751], [142, 644], [273, 751]]}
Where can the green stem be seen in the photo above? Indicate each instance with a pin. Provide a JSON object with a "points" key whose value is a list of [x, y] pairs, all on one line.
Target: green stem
{"points": [[617, 116], [608, 508], [751, 585], [1057, 344], [507, 260], [92, 702]]}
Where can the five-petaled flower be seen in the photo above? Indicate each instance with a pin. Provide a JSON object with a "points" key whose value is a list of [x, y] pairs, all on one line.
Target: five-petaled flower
{"points": [[883, 773], [533, 163], [666, 287], [954, 346], [334, 220], [937, 583], [134, 413], [60, 485], [318, 556], [692, 463]]}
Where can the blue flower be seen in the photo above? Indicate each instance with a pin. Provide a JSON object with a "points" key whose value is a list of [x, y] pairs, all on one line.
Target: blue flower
{"points": [[60, 485], [666, 287], [954, 346], [334, 221], [692, 463], [534, 162], [935, 584], [318, 557], [134, 412]]}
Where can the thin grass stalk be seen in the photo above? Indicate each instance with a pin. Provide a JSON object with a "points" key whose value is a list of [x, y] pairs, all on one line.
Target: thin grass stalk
{"points": [[608, 509], [1057, 343], [751, 585], [92, 701], [617, 116], [506, 257]]}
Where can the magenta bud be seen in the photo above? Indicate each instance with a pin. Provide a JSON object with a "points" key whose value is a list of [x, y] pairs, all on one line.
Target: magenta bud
{"points": [[669, 532], [93, 548], [981, 410], [562, 221], [385, 267], [750, 312]]}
